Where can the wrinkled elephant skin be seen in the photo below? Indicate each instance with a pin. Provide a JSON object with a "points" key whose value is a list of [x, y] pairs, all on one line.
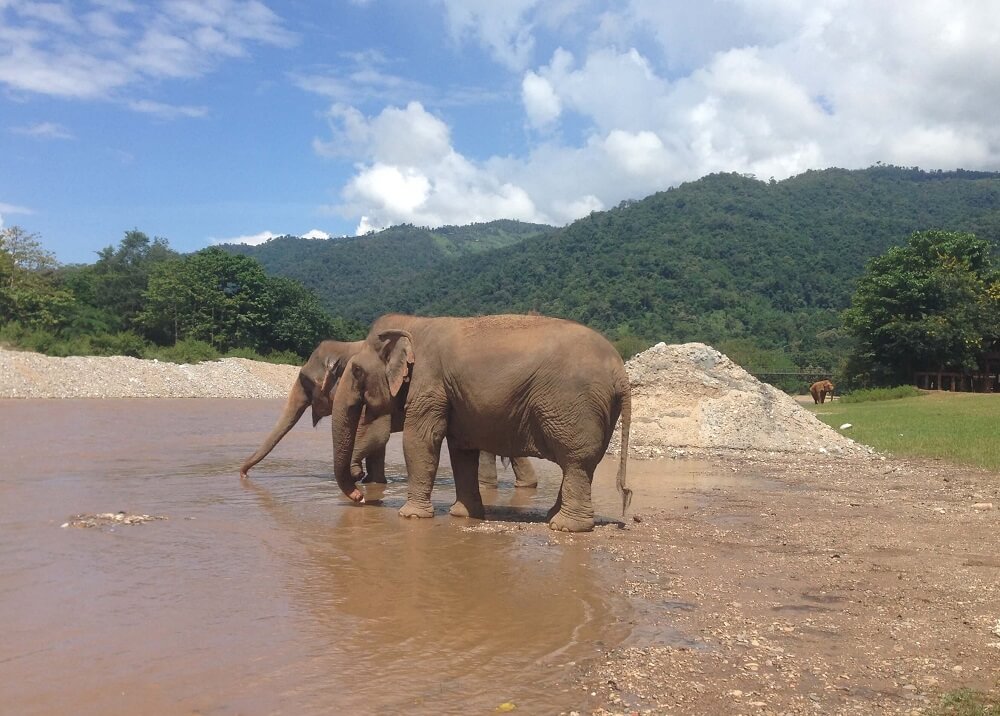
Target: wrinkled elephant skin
{"points": [[524, 386]]}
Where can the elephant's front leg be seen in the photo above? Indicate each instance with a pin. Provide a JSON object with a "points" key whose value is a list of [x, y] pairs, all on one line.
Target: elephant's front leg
{"points": [[369, 448], [574, 511], [465, 466], [422, 452], [376, 468]]}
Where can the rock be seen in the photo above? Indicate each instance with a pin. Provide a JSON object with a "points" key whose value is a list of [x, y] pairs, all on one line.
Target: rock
{"points": [[109, 519], [982, 506], [846, 426], [690, 397]]}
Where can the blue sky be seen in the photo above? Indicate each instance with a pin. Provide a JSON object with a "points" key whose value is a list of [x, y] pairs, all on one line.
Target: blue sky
{"points": [[209, 120]]}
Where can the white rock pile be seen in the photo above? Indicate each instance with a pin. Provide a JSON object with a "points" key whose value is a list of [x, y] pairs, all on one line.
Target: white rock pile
{"points": [[32, 375], [692, 398]]}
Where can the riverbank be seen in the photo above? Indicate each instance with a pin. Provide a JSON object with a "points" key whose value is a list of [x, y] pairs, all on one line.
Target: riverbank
{"points": [[32, 375], [833, 586]]}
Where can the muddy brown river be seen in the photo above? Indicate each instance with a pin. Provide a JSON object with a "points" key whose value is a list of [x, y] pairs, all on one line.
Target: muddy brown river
{"points": [[276, 595]]}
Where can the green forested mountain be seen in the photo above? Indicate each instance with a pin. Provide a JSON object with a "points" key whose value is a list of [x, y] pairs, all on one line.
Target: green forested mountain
{"points": [[722, 258], [348, 273]]}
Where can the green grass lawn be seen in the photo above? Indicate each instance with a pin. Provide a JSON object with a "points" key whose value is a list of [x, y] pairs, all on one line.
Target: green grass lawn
{"points": [[960, 427]]}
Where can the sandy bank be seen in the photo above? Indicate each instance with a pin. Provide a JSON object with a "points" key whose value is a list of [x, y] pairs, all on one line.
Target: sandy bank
{"points": [[32, 375]]}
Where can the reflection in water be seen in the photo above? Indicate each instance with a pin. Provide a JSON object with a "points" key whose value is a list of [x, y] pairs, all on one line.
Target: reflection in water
{"points": [[275, 594]]}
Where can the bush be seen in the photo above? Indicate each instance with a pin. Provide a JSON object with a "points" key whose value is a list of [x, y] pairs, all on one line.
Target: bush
{"points": [[284, 358], [872, 394], [186, 351], [281, 357], [124, 343]]}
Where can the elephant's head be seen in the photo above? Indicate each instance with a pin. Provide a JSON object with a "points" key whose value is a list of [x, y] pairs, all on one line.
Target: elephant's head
{"points": [[371, 381], [314, 386]]}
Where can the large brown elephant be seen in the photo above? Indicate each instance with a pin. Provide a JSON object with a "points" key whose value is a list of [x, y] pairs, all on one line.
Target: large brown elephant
{"points": [[315, 386], [513, 385], [820, 389]]}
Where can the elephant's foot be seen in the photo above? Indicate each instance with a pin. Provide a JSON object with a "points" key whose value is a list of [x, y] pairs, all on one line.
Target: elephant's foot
{"points": [[460, 509], [370, 479], [416, 509], [526, 483], [567, 523]]}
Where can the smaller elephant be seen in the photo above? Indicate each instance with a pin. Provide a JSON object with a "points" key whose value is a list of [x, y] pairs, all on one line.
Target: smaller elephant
{"points": [[315, 386], [820, 389]]}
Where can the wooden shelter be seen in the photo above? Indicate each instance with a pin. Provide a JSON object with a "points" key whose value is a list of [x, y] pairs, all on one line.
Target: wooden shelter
{"points": [[984, 380]]}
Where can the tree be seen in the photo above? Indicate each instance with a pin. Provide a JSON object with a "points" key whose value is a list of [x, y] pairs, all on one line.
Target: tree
{"points": [[930, 304], [120, 276], [210, 296], [28, 292], [227, 301]]}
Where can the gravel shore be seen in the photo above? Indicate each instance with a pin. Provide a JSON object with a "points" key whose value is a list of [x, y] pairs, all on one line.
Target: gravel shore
{"points": [[33, 375]]}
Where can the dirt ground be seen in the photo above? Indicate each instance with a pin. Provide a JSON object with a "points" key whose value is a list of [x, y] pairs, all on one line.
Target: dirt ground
{"points": [[818, 586]]}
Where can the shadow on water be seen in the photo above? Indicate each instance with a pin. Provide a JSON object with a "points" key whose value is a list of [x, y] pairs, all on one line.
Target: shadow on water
{"points": [[457, 620]]}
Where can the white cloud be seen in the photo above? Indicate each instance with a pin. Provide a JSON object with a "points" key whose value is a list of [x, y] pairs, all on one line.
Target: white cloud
{"points": [[410, 173], [501, 27], [315, 234], [637, 153], [627, 98], [44, 130], [58, 50], [540, 100], [265, 236], [249, 239], [361, 76], [167, 111], [12, 209]]}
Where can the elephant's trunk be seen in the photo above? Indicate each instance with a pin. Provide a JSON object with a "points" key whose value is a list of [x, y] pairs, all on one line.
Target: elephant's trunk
{"points": [[296, 404], [345, 418]]}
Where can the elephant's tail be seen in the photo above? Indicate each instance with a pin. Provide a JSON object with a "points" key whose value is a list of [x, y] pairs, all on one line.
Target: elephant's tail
{"points": [[625, 396]]}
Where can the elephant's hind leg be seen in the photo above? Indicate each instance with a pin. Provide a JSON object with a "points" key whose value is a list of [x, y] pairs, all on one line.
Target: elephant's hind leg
{"points": [[524, 473], [487, 469], [465, 466], [573, 511]]}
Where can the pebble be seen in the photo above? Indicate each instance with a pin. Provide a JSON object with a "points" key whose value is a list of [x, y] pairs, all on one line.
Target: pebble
{"points": [[32, 375]]}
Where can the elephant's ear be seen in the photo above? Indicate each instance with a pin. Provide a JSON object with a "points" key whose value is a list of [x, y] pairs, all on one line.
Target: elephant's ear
{"points": [[322, 399], [397, 354], [334, 369]]}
